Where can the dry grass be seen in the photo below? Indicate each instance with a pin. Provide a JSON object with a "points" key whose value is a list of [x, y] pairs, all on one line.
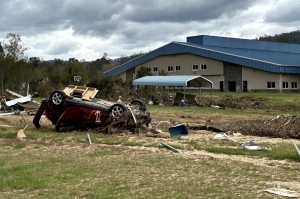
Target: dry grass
{"points": [[62, 170]]}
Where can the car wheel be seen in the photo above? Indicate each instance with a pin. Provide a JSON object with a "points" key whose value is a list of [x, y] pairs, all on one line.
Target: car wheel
{"points": [[117, 110], [57, 99], [140, 104]]}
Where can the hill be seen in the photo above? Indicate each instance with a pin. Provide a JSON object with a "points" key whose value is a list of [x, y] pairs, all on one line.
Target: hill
{"points": [[292, 37]]}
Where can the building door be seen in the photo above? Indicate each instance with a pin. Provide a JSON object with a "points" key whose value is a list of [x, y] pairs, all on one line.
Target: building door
{"points": [[221, 86], [245, 86], [231, 86]]}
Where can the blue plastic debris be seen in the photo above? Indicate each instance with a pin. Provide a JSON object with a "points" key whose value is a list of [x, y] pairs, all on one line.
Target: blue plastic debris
{"points": [[178, 130]]}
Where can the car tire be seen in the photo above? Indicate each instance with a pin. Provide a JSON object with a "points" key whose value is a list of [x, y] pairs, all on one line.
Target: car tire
{"points": [[139, 103], [117, 110], [57, 99]]}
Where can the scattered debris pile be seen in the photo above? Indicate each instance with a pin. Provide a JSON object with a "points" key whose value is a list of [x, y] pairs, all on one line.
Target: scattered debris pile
{"points": [[281, 126], [245, 102], [128, 122], [11, 102]]}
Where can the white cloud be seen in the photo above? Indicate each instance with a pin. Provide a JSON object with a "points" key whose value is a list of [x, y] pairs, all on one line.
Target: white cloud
{"points": [[88, 29]]}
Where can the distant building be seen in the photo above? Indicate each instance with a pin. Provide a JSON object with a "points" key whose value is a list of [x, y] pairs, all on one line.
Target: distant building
{"points": [[231, 64]]}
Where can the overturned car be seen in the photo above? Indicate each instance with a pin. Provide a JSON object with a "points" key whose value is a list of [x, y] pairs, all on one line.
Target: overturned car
{"points": [[77, 106]]}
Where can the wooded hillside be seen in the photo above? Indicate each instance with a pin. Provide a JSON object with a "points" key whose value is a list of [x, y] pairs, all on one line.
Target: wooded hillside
{"points": [[292, 37]]}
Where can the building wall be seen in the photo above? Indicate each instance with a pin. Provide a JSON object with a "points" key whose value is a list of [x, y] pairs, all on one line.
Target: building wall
{"points": [[129, 74], [232, 77], [257, 80], [216, 79], [186, 62], [289, 78], [217, 72]]}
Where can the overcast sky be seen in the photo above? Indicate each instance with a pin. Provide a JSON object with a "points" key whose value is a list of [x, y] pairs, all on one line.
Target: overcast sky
{"points": [[86, 29]]}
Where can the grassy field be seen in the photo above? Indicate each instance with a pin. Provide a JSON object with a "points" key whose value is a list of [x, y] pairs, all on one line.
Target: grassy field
{"points": [[48, 164]]}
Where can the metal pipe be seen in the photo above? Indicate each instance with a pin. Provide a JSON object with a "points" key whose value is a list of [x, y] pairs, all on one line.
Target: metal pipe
{"points": [[25, 127], [89, 139], [170, 147], [296, 147]]}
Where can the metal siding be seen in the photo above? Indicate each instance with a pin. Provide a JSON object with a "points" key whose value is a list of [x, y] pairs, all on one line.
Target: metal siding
{"points": [[196, 39], [244, 43]]}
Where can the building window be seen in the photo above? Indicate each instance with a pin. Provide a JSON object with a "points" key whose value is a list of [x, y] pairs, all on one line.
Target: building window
{"points": [[270, 84], [178, 68], [294, 85], [170, 68], [149, 69], [195, 67], [203, 67], [285, 85], [133, 76]]}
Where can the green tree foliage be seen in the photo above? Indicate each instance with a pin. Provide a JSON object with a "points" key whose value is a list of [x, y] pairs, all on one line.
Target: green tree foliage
{"points": [[6, 64], [35, 61], [108, 87], [292, 37], [1, 51], [95, 68], [125, 59], [143, 90], [143, 71], [162, 72], [13, 47], [12, 61], [73, 68], [20, 75], [47, 78]]}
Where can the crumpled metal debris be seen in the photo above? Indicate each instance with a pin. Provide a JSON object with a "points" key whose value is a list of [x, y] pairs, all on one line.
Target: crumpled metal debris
{"points": [[223, 135], [251, 146], [283, 192], [18, 100]]}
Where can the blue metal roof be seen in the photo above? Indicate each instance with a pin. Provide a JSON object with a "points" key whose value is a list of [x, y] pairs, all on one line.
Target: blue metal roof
{"points": [[243, 43], [180, 80], [268, 56]]}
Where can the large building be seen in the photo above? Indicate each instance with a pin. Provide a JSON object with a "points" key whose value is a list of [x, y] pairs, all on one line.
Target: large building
{"points": [[231, 64]]}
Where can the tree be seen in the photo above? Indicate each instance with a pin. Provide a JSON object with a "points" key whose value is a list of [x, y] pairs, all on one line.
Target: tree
{"points": [[11, 52], [6, 64], [35, 61], [143, 71], [20, 74], [1, 51], [94, 69], [47, 78], [73, 60], [74, 68], [162, 73], [13, 47], [123, 59], [97, 67]]}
